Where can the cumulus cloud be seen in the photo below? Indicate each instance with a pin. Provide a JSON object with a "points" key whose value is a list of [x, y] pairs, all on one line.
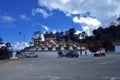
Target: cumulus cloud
{"points": [[104, 11], [87, 21], [24, 17], [20, 45], [110, 7], [7, 21], [41, 11], [78, 32], [89, 29]]}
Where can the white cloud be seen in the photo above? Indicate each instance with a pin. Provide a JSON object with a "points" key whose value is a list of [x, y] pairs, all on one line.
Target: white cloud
{"points": [[41, 11], [64, 1], [24, 17], [105, 11], [19, 45], [89, 29], [87, 21], [54, 31], [7, 21], [45, 27], [77, 32]]}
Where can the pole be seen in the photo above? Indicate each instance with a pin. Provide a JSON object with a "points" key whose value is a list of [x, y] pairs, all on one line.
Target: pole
{"points": [[23, 37]]}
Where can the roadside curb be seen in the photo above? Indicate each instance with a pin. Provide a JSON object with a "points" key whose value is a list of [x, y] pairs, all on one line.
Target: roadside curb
{"points": [[4, 61]]}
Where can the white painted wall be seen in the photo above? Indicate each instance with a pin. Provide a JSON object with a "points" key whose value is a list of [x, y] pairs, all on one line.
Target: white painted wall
{"points": [[117, 48], [55, 54], [50, 54]]}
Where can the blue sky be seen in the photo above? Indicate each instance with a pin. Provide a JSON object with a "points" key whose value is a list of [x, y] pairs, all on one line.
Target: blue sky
{"points": [[19, 18], [27, 16]]}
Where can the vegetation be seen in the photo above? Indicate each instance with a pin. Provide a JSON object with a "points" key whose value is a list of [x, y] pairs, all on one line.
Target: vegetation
{"points": [[111, 33], [59, 36], [1, 40], [36, 37], [5, 53], [101, 38]]}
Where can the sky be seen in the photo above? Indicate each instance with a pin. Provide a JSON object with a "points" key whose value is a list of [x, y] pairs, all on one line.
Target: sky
{"points": [[28, 16]]}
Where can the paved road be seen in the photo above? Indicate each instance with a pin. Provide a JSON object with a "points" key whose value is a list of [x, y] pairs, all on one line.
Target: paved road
{"points": [[54, 68]]}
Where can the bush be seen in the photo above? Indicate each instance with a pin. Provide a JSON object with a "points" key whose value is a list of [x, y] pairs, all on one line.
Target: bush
{"points": [[108, 45], [93, 47], [4, 53]]}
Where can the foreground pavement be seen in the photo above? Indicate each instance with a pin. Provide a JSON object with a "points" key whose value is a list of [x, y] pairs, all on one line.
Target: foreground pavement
{"points": [[54, 68]]}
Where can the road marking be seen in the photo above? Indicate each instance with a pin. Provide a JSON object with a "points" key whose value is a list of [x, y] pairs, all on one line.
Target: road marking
{"points": [[75, 62], [111, 78], [110, 61], [9, 63], [31, 65], [49, 77]]}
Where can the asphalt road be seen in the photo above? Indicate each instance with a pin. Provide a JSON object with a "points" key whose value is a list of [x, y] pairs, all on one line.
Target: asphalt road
{"points": [[54, 68]]}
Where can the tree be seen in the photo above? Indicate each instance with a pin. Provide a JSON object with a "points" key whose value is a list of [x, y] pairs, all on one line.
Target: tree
{"points": [[37, 37], [37, 33], [71, 33], [83, 35], [99, 33], [5, 52], [46, 35], [111, 33], [57, 34], [51, 35], [66, 36], [1, 40], [93, 47], [31, 43], [90, 39], [107, 44], [8, 44]]}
